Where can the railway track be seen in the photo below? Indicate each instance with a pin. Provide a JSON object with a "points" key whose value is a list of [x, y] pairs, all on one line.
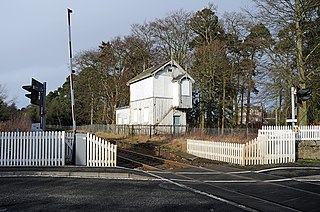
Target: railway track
{"points": [[232, 188], [131, 159]]}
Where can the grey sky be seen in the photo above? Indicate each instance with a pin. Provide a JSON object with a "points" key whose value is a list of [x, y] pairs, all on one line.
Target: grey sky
{"points": [[34, 36]]}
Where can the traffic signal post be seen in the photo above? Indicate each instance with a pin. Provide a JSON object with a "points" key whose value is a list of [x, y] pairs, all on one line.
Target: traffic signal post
{"points": [[37, 96], [302, 94], [293, 120]]}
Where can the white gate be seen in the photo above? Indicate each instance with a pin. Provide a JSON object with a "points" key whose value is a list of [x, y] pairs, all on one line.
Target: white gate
{"points": [[100, 152], [69, 147]]}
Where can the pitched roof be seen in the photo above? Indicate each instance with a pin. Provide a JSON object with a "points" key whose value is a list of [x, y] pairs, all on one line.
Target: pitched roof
{"points": [[179, 77], [147, 73], [153, 70]]}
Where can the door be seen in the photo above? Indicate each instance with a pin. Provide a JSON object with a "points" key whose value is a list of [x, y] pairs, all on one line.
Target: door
{"points": [[176, 125]]}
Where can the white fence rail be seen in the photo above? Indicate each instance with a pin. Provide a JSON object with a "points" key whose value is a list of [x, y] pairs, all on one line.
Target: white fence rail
{"points": [[270, 147], [100, 152], [32, 148]]}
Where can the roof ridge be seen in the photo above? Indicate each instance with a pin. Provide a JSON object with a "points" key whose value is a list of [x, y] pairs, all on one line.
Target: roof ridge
{"points": [[147, 72]]}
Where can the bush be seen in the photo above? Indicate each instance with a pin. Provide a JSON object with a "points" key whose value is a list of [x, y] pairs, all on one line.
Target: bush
{"points": [[19, 121]]}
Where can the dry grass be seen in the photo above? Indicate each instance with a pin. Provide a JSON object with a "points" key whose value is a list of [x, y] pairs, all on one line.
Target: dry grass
{"points": [[224, 138], [180, 143], [21, 121], [109, 136], [173, 144]]}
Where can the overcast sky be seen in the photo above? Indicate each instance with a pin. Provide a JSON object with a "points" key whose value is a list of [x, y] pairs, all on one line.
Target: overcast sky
{"points": [[34, 33]]}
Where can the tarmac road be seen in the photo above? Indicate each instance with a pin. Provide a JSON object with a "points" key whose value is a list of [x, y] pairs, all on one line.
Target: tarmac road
{"points": [[222, 188], [272, 189], [78, 194]]}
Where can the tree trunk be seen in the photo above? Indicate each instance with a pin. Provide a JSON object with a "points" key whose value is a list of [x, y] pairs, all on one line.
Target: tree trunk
{"points": [[241, 107], [248, 101], [201, 108], [104, 110], [302, 111], [235, 100], [91, 114], [223, 106]]}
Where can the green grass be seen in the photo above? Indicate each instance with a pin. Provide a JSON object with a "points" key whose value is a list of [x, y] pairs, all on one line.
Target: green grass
{"points": [[308, 161]]}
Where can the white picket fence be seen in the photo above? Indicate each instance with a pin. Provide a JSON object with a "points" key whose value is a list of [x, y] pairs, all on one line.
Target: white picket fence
{"points": [[272, 146], [270, 150], [32, 148], [52, 149], [307, 133], [100, 152], [302, 133], [220, 151]]}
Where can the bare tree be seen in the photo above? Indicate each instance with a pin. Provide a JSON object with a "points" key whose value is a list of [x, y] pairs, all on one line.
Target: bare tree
{"points": [[173, 35], [296, 13]]}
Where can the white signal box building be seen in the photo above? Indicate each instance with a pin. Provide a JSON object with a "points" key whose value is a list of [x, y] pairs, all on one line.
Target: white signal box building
{"points": [[158, 96]]}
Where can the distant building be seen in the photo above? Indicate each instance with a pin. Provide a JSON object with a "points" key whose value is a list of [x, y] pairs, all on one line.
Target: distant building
{"points": [[255, 116], [158, 96]]}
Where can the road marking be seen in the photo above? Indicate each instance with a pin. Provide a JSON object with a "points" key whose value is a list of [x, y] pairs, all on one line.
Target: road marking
{"points": [[214, 172], [243, 207], [231, 181], [183, 180], [240, 172], [247, 181], [215, 181], [277, 180], [306, 180], [198, 173], [286, 168]]}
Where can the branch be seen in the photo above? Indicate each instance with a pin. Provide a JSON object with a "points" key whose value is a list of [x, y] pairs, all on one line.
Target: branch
{"points": [[312, 51]]}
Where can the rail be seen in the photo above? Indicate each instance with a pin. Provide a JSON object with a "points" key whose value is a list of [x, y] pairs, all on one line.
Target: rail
{"points": [[131, 159]]}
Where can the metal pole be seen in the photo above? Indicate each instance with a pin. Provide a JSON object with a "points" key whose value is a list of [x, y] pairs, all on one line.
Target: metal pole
{"points": [[74, 127], [71, 70], [292, 106], [43, 106]]}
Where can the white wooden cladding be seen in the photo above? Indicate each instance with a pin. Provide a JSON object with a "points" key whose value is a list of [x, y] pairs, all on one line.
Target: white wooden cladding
{"points": [[100, 152], [32, 148], [270, 147]]}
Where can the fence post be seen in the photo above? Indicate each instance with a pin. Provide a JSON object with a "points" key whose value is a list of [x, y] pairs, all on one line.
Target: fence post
{"points": [[1, 149], [150, 128], [63, 148]]}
